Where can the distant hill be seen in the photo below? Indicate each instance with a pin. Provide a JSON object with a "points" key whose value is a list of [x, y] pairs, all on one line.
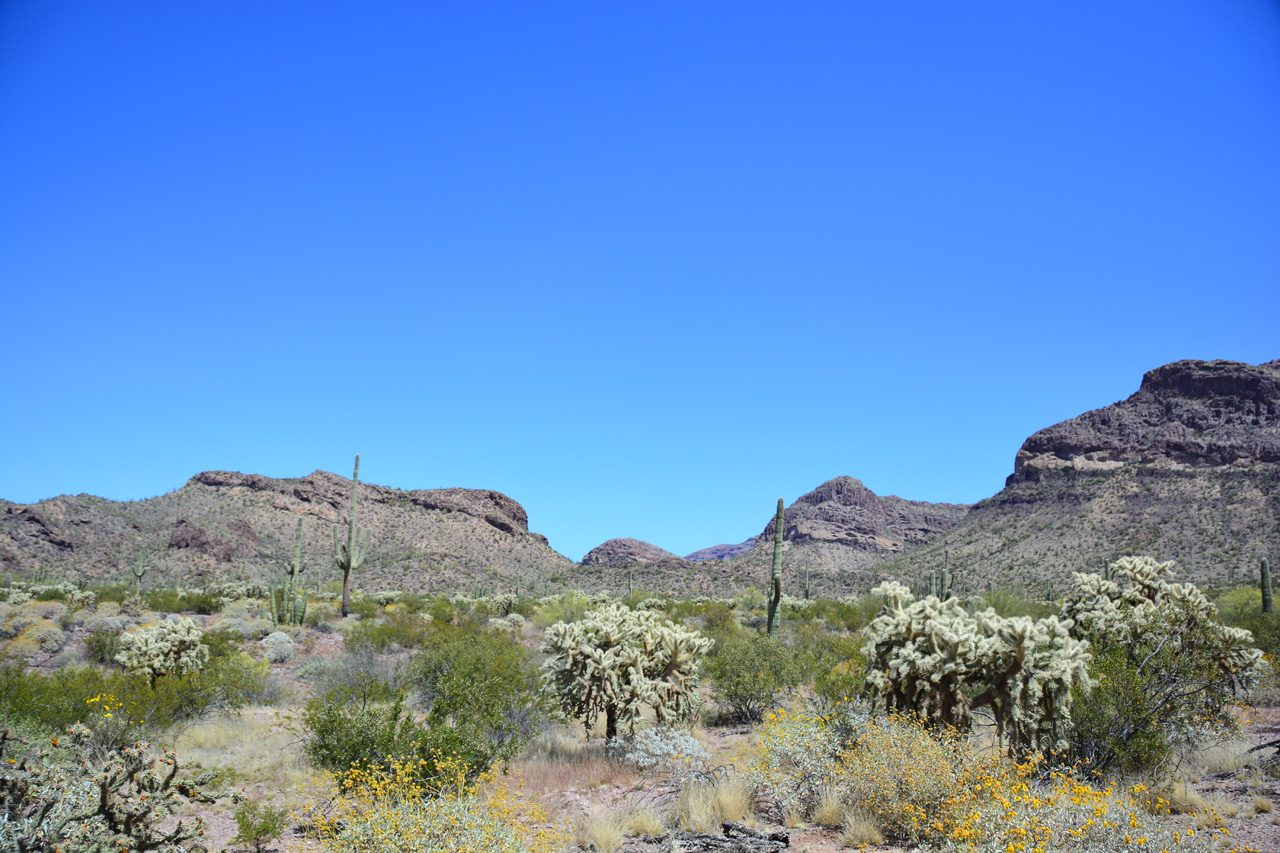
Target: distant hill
{"points": [[223, 525], [1185, 469]]}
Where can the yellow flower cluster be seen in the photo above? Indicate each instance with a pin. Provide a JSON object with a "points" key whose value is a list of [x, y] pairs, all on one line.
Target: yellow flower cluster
{"points": [[393, 809]]}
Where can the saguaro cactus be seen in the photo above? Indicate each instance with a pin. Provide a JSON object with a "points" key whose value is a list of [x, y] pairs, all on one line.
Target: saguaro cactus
{"points": [[775, 591], [350, 556], [139, 572], [287, 607], [1265, 580]]}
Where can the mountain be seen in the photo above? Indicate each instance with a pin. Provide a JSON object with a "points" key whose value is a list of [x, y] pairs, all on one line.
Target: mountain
{"points": [[626, 551], [1185, 469], [223, 525]]}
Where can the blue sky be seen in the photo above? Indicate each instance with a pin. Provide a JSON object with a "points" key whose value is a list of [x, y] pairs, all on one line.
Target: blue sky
{"points": [[644, 267]]}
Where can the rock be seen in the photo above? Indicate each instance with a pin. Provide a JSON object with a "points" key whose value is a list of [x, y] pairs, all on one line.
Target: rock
{"points": [[1184, 414], [843, 511]]}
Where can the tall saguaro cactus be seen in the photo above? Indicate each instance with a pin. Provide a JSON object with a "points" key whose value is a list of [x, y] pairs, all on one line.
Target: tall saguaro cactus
{"points": [[350, 556], [287, 607], [775, 591], [1266, 585]]}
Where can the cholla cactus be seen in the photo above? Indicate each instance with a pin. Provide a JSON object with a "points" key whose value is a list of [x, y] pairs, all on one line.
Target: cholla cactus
{"points": [[1140, 602], [121, 802], [616, 661], [164, 648], [932, 658]]}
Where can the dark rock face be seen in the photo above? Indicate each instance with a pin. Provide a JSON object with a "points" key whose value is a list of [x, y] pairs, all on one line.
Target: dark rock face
{"points": [[626, 551], [845, 512], [1185, 414]]}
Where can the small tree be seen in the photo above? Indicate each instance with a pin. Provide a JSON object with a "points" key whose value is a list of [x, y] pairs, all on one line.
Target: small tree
{"points": [[616, 661]]}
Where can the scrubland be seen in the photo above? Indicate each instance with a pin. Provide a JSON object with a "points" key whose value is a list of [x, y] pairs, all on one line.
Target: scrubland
{"points": [[1125, 716]]}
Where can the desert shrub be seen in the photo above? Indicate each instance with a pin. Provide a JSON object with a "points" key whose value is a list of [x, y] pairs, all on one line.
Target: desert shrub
{"points": [[441, 610], [51, 593], [404, 630], [792, 761], [340, 732], [72, 799], [279, 647], [479, 691], [164, 648], [569, 607], [181, 601], [617, 661], [246, 629], [101, 647], [660, 748], [258, 823], [392, 809], [749, 672], [1174, 667]]}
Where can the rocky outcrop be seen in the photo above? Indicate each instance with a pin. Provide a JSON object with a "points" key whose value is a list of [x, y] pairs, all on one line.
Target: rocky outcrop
{"points": [[626, 551], [1188, 414], [845, 512]]}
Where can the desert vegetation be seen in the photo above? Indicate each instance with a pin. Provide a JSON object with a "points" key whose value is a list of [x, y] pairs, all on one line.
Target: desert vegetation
{"points": [[1132, 712]]}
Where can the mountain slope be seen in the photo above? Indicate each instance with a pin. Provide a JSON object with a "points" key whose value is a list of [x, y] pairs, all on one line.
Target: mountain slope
{"points": [[224, 525]]}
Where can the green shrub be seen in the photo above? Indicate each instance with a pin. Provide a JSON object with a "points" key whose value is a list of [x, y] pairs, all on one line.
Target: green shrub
{"points": [[405, 630], [1117, 723], [340, 732], [258, 824], [479, 691], [101, 647], [749, 671], [175, 601]]}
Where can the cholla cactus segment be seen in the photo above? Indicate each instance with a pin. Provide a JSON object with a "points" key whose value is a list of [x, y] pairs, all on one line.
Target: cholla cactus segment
{"points": [[164, 648], [615, 661]]}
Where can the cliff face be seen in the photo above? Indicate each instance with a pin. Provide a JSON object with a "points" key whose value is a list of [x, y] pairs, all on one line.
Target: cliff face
{"points": [[1185, 469], [224, 525], [1191, 414]]}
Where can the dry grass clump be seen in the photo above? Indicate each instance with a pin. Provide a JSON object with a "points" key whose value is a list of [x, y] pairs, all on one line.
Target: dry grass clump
{"points": [[603, 834], [703, 806], [645, 821], [830, 810], [1261, 805], [860, 829]]}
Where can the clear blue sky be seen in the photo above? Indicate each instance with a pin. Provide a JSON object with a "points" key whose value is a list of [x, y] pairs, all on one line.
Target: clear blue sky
{"points": [[644, 267]]}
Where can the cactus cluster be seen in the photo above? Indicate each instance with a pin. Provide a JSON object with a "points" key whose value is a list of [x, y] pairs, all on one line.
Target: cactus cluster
{"points": [[163, 648], [616, 661], [931, 657]]}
